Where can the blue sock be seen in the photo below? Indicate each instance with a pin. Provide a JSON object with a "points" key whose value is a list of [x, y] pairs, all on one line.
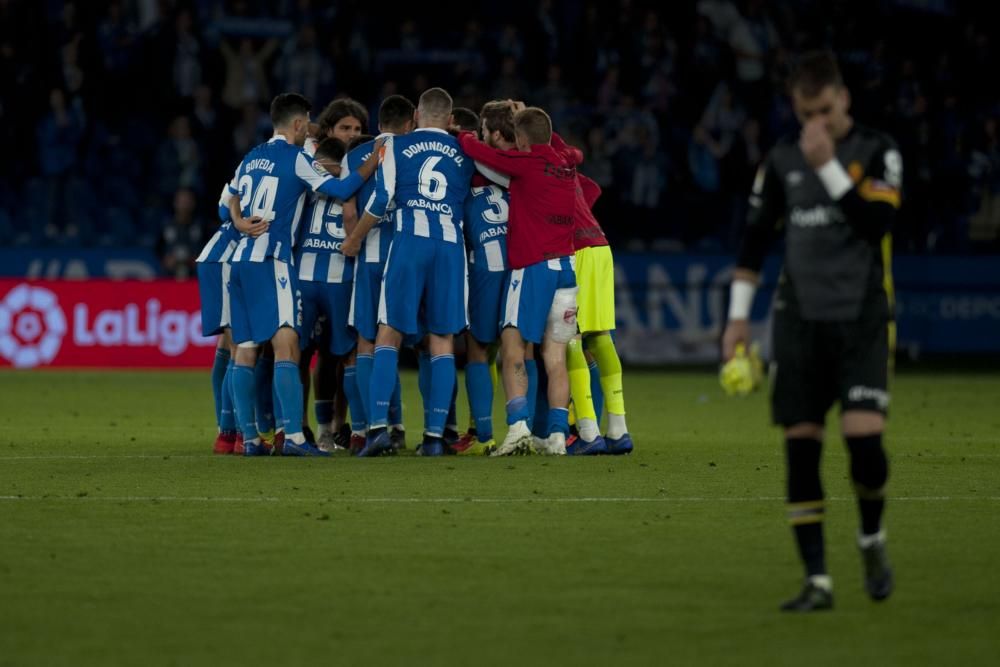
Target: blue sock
{"points": [[288, 387], [531, 368], [364, 380], [359, 420], [517, 410], [243, 390], [396, 403], [558, 421], [263, 375], [424, 381], [442, 392], [452, 421], [540, 414], [227, 416], [479, 386], [219, 368], [279, 417], [384, 369], [595, 390], [323, 411]]}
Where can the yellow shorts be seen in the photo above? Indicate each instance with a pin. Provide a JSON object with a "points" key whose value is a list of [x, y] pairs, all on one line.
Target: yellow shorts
{"points": [[595, 276]]}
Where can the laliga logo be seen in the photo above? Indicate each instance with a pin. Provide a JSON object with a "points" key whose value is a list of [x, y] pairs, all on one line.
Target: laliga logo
{"points": [[32, 326]]}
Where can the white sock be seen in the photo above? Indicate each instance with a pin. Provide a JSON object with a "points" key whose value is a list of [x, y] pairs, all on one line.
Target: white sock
{"points": [[398, 427], [588, 429], [298, 438], [616, 426], [866, 541], [325, 428], [823, 581]]}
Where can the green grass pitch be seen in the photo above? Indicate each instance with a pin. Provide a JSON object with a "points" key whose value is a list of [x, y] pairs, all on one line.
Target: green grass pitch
{"points": [[124, 541]]}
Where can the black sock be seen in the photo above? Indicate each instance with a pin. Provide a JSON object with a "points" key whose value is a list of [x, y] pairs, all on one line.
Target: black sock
{"points": [[805, 501], [809, 538], [869, 470]]}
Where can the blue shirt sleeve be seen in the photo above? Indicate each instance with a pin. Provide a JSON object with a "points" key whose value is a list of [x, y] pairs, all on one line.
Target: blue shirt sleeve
{"points": [[385, 181]]}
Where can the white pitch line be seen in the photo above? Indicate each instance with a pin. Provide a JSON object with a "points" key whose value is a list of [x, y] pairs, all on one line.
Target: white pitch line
{"points": [[493, 501]]}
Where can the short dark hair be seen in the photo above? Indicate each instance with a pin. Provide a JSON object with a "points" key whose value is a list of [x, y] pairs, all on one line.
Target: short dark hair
{"points": [[814, 71], [358, 140], [286, 106], [339, 109], [466, 119], [332, 148], [394, 111], [534, 124], [498, 116], [436, 103]]}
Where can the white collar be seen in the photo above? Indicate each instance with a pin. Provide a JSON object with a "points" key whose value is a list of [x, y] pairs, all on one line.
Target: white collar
{"points": [[431, 129], [278, 136]]}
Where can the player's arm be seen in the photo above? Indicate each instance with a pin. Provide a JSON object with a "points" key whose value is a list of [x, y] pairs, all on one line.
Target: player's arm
{"points": [[320, 181], [378, 203], [511, 163], [350, 206], [591, 190], [493, 175], [225, 198], [573, 155], [253, 226], [767, 204], [870, 205]]}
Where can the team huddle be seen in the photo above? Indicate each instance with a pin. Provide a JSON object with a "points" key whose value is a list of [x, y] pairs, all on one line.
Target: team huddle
{"points": [[447, 223]]}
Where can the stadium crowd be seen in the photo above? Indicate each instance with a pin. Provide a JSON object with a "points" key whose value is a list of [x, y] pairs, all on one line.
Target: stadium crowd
{"points": [[142, 106]]}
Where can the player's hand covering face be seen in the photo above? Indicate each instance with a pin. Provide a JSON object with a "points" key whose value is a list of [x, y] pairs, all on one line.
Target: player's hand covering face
{"points": [[816, 143]]}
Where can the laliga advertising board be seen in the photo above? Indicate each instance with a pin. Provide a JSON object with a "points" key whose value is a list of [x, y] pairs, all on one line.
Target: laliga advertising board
{"points": [[102, 324]]}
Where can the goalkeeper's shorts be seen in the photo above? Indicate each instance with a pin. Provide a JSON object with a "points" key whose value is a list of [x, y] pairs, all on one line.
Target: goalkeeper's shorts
{"points": [[819, 363], [595, 276]]}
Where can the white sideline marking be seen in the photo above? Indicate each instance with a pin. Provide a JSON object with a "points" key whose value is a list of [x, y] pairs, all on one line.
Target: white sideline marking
{"points": [[497, 501]]}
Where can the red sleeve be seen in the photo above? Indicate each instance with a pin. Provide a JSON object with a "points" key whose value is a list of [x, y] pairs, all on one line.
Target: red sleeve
{"points": [[512, 163], [591, 190], [573, 155]]}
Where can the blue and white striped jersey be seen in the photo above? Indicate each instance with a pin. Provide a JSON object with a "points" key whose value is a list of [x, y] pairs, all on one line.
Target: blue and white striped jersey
{"points": [[319, 255], [272, 183], [223, 242], [428, 177], [375, 249], [486, 210]]}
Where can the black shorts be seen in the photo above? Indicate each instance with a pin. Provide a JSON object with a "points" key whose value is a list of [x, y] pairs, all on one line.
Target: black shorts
{"points": [[818, 363]]}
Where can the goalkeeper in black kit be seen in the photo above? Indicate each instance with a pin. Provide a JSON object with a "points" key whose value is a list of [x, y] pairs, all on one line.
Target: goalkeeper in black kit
{"points": [[834, 191]]}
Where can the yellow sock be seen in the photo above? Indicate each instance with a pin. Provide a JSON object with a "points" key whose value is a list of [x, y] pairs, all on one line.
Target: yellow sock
{"points": [[610, 366], [579, 381]]}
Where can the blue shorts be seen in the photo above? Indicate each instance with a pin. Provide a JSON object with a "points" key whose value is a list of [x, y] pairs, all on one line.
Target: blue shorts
{"points": [[424, 286], [331, 301], [214, 290], [363, 317], [486, 289], [262, 300], [528, 297]]}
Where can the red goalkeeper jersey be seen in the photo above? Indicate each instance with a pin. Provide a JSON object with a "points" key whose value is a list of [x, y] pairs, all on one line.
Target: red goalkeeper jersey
{"points": [[587, 230], [542, 199]]}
